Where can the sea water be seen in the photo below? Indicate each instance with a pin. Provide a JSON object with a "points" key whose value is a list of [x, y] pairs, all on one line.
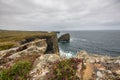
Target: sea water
{"points": [[103, 42]]}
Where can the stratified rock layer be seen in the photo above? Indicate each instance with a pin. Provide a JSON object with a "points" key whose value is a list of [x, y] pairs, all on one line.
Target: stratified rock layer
{"points": [[8, 57], [38, 47]]}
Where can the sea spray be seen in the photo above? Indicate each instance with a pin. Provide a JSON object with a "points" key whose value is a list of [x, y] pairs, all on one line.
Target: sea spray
{"points": [[67, 54]]}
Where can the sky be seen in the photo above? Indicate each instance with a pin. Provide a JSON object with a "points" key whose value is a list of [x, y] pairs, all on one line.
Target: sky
{"points": [[52, 15]]}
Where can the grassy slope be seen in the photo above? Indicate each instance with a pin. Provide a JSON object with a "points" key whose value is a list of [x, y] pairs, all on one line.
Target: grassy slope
{"points": [[9, 39]]}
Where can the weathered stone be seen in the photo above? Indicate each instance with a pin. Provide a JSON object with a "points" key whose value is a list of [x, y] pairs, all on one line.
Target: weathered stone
{"points": [[109, 72], [64, 38], [99, 74], [117, 61], [41, 66], [82, 54], [51, 39], [91, 60], [118, 72], [35, 47], [79, 71]]}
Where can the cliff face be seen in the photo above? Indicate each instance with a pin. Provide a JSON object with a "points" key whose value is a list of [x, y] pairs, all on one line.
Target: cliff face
{"points": [[43, 55], [51, 40]]}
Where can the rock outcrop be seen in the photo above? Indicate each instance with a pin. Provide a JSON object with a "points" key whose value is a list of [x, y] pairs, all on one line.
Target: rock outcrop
{"points": [[8, 57], [64, 38], [51, 39], [41, 68], [100, 67], [35, 47]]}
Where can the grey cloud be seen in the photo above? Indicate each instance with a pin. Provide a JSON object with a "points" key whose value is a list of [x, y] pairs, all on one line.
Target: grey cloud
{"points": [[59, 14]]}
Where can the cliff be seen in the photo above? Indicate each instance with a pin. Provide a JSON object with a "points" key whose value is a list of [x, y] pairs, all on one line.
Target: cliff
{"points": [[37, 58]]}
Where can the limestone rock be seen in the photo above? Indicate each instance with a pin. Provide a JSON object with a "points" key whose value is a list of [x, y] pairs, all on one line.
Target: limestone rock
{"points": [[82, 54], [118, 72], [99, 74], [79, 71], [36, 47], [42, 65]]}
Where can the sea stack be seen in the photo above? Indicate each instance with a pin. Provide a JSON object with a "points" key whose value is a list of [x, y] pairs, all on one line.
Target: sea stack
{"points": [[64, 38]]}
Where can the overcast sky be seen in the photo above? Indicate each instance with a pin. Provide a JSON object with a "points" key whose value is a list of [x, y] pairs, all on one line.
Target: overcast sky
{"points": [[59, 14]]}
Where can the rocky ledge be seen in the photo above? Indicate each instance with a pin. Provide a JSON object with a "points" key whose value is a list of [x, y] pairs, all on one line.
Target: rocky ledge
{"points": [[52, 66], [100, 67]]}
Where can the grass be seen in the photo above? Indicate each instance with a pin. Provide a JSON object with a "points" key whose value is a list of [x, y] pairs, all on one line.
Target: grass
{"points": [[18, 72], [6, 45], [9, 39], [66, 69]]}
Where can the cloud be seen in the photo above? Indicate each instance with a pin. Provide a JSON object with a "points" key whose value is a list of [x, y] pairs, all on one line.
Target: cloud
{"points": [[59, 14]]}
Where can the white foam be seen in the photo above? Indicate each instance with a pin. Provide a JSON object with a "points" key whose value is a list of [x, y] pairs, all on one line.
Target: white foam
{"points": [[66, 54], [74, 39]]}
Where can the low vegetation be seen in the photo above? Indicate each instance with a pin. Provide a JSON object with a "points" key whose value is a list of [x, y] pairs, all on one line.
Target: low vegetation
{"points": [[18, 72], [6, 45], [66, 69]]}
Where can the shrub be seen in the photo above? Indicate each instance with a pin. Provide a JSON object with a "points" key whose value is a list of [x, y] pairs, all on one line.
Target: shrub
{"points": [[19, 71], [66, 69]]}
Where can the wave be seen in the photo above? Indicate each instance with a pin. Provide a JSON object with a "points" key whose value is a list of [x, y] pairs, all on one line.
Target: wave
{"points": [[78, 39], [67, 54]]}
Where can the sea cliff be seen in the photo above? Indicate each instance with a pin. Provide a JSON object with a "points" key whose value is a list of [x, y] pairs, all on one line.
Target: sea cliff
{"points": [[39, 59]]}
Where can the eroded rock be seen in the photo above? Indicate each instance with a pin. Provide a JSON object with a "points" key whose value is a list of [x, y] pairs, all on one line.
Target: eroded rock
{"points": [[64, 38], [104, 67], [38, 47], [41, 70]]}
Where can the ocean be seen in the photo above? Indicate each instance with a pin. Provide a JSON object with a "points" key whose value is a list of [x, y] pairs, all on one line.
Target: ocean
{"points": [[103, 42]]}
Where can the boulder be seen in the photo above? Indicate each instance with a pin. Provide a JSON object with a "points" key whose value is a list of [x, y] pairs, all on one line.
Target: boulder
{"points": [[82, 54], [64, 38]]}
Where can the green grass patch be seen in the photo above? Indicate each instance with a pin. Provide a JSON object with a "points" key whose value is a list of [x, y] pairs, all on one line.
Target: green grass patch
{"points": [[6, 46], [19, 71]]}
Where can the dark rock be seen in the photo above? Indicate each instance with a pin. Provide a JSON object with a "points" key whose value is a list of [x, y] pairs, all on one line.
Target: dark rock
{"points": [[52, 43], [57, 32], [21, 48], [64, 38]]}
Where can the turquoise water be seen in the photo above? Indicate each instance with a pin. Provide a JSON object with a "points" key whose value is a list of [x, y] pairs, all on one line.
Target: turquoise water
{"points": [[98, 42]]}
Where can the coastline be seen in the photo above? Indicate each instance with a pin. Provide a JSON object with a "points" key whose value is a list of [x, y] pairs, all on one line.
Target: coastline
{"points": [[44, 64]]}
